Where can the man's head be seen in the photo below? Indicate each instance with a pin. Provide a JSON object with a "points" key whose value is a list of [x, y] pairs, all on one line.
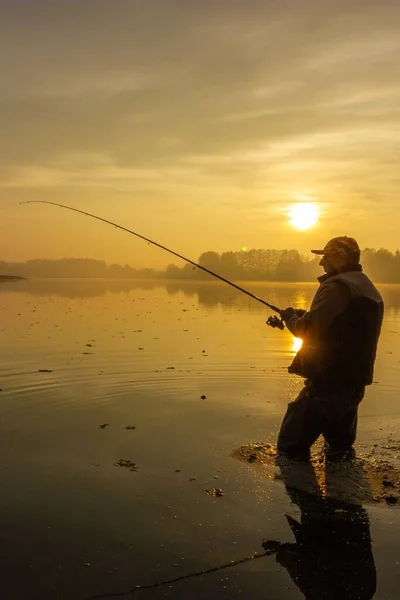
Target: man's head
{"points": [[339, 253]]}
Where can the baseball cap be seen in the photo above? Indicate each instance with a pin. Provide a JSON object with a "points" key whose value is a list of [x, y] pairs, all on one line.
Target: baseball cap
{"points": [[340, 245]]}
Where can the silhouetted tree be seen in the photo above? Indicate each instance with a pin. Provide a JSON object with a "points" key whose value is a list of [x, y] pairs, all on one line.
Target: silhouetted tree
{"points": [[289, 266], [256, 264]]}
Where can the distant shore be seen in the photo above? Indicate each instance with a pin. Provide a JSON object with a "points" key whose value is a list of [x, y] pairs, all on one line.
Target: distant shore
{"points": [[10, 278]]}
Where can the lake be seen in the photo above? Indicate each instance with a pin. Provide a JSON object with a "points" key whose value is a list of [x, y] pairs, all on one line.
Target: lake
{"points": [[97, 373]]}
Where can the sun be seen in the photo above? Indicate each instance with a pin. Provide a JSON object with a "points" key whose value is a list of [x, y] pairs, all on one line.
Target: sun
{"points": [[303, 215]]}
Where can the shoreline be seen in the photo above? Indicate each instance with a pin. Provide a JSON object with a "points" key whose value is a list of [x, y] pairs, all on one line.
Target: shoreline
{"points": [[11, 278]]}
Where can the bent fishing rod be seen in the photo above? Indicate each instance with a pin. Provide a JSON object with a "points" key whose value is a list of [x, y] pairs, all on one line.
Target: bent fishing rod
{"points": [[273, 321]]}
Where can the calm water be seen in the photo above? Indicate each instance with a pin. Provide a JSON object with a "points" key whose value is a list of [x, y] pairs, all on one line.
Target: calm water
{"points": [[141, 354]]}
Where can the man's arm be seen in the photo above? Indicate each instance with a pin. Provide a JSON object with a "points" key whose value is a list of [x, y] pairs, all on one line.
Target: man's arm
{"points": [[330, 301]]}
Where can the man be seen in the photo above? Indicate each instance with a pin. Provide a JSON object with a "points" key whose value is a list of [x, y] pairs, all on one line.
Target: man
{"points": [[340, 334]]}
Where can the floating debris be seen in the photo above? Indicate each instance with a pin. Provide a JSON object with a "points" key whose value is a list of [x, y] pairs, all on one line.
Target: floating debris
{"points": [[127, 464], [103, 426], [391, 499], [130, 427], [215, 492], [45, 371], [203, 397]]}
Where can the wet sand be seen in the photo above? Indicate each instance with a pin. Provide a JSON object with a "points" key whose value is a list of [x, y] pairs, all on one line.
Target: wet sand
{"points": [[372, 476]]}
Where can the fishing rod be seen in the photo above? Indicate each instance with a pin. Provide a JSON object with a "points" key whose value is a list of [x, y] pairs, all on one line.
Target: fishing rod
{"points": [[272, 321]]}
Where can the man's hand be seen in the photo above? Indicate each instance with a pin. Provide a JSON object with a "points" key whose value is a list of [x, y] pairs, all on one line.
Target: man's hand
{"points": [[287, 313]]}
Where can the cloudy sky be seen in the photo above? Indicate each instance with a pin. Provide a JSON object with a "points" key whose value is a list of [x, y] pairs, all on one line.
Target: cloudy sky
{"points": [[197, 123]]}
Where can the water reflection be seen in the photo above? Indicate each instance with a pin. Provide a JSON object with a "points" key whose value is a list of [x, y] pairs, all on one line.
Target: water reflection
{"points": [[331, 556], [208, 294], [74, 288]]}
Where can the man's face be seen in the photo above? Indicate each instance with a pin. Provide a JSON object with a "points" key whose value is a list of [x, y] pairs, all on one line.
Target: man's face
{"points": [[332, 263]]}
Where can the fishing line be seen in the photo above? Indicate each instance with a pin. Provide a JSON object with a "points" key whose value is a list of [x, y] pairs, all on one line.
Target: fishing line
{"points": [[82, 212]]}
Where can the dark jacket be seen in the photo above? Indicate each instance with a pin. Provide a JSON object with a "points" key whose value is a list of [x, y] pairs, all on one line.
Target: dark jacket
{"points": [[340, 332]]}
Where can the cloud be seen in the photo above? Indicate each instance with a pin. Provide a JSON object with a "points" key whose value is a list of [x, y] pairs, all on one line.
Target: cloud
{"points": [[169, 95]]}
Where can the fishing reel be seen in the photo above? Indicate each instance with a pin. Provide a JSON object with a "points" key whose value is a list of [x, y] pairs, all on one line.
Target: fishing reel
{"points": [[275, 322]]}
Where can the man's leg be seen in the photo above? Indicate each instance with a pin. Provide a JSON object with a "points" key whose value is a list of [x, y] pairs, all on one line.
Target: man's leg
{"points": [[340, 433], [301, 425]]}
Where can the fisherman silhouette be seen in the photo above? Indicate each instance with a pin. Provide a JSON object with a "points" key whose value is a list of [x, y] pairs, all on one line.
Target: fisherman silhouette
{"points": [[331, 558]]}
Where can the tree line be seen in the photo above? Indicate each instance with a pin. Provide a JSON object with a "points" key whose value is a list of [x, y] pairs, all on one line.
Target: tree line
{"points": [[381, 265]]}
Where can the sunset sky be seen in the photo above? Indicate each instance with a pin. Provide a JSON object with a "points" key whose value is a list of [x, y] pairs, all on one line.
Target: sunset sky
{"points": [[198, 123]]}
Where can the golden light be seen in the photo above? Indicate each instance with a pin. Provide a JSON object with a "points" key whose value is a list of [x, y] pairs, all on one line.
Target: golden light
{"points": [[303, 215], [296, 344]]}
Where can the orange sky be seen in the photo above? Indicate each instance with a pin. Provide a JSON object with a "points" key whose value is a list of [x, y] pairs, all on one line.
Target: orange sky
{"points": [[197, 124]]}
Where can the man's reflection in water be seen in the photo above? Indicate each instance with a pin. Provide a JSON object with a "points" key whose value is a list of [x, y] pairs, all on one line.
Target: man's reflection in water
{"points": [[331, 558]]}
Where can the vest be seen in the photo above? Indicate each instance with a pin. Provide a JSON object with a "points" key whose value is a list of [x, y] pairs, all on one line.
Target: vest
{"points": [[344, 355]]}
